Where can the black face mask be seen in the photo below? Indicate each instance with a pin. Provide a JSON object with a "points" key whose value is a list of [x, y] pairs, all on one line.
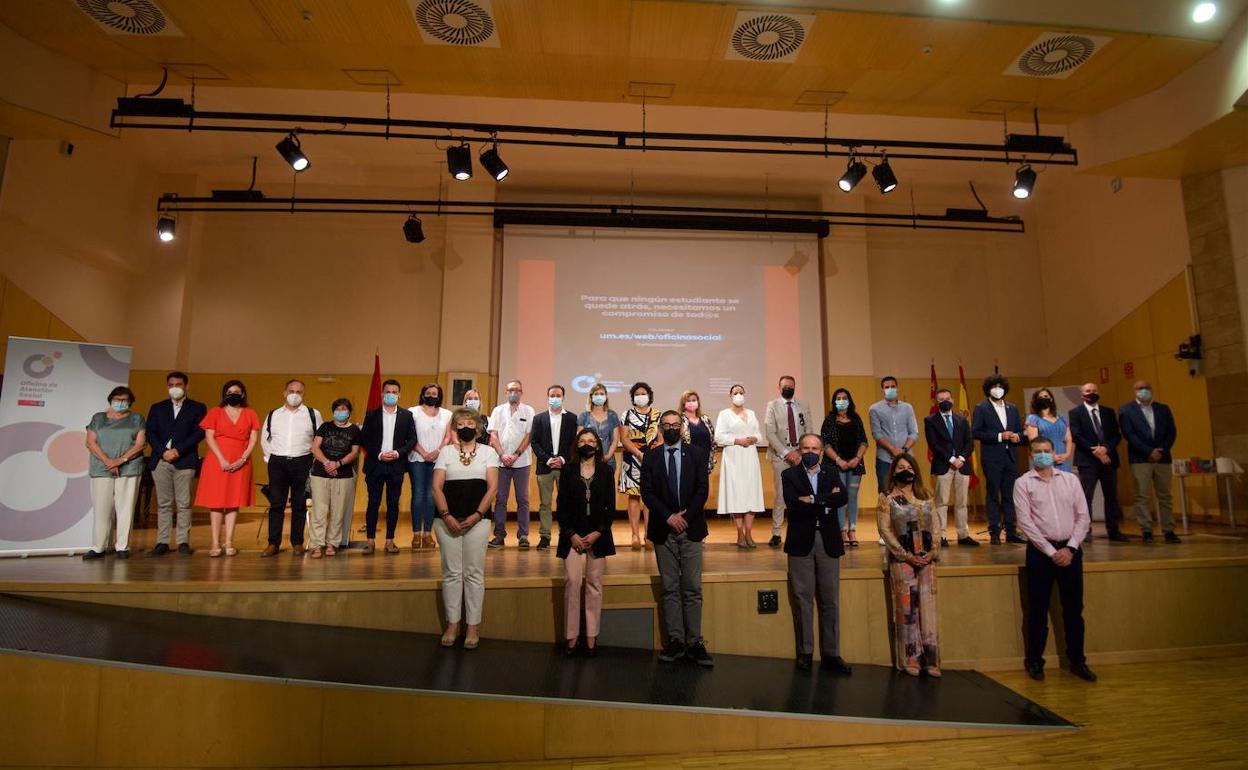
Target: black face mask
{"points": [[234, 399], [466, 433], [946, 406], [587, 450], [430, 400], [1044, 403], [810, 459], [1092, 398], [903, 476], [671, 435], [787, 393]]}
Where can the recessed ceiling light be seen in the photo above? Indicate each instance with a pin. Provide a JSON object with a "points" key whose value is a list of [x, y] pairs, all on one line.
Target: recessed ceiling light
{"points": [[1203, 12]]}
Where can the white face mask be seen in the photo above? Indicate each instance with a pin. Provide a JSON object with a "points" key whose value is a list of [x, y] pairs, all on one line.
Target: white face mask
{"points": [[641, 399], [176, 393], [294, 399], [738, 399], [997, 393]]}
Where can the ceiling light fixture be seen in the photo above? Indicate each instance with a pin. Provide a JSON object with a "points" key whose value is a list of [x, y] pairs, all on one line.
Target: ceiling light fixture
{"points": [[1024, 181], [166, 228], [854, 172], [459, 161], [1203, 12], [291, 151], [884, 177], [493, 163]]}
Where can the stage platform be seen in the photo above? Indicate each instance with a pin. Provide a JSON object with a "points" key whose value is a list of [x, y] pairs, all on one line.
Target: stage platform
{"points": [[1142, 602], [383, 697]]}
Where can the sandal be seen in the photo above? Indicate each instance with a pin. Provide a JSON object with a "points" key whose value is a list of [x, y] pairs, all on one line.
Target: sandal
{"points": [[636, 543], [449, 636], [215, 552], [911, 670], [317, 553], [853, 539], [230, 550], [933, 671], [471, 642], [330, 550], [369, 548], [391, 547]]}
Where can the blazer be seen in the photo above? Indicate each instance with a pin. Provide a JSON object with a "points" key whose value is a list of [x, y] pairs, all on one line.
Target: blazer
{"points": [[985, 425], [184, 432], [803, 517], [371, 435], [571, 511], [944, 446], [1084, 435], [1140, 440], [657, 497], [543, 446], [776, 426]]}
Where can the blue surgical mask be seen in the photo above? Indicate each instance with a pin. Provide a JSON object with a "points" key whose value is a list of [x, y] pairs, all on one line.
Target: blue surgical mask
{"points": [[1144, 394], [472, 403], [513, 398], [598, 399], [842, 405], [555, 402], [120, 406], [890, 394], [342, 415], [390, 399], [1042, 459]]}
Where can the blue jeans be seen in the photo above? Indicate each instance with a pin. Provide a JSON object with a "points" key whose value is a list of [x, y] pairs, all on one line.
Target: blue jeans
{"points": [[422, 495], [847, 514]]}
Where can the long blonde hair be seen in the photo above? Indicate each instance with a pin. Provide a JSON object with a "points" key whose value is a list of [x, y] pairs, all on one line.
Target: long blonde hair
{"points": [[680, 405]]}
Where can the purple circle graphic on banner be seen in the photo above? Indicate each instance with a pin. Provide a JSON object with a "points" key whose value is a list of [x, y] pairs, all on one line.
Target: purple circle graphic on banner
{"points": [[99, 360], [62, 513]]}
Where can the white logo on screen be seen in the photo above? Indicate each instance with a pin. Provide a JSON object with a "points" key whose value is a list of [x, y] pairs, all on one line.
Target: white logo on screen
{"points": [[583, 383]]}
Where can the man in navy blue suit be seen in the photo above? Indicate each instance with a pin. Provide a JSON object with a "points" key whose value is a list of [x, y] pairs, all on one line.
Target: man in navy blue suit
{"points": [[996, 425], [1094, 429], [174, 434], [1148, 426]]}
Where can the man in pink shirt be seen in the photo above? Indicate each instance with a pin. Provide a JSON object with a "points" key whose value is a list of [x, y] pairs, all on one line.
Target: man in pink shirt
{"points": [[1052, 513]]}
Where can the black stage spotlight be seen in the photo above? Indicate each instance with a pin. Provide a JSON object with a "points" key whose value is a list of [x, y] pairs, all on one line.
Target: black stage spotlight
{"points": [[291, 151], [1024, 181], [493, 164], [885, 179], [854, 173], [166, 228], [412, 230], [459, 161]]}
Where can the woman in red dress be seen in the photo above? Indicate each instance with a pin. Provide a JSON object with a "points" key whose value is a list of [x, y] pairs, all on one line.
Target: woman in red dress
{"points": [[231, 431]]}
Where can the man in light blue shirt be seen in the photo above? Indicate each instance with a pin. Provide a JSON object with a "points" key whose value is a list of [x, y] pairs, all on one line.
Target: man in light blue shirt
{"points": [[894, 429]]}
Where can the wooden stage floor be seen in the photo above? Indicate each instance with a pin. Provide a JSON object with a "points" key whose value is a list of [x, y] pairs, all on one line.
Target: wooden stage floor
{"points": [[1207, 544]]}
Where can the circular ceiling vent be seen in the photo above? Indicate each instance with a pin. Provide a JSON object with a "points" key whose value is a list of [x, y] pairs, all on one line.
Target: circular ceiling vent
{"points": [[1056, 55], [133, 17], [458, 22], [768, 37]]}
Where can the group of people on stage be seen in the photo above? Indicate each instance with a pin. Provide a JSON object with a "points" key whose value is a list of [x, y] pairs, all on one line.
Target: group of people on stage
{"points": [[464, 466]]}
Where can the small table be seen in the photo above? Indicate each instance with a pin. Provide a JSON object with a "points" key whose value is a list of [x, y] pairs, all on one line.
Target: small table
{"points": [[1228, 476]]}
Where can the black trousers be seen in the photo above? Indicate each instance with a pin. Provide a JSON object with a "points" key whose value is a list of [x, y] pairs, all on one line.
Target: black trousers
{"points": [[288, 479], [1000, 497], [1041, 574], [1107, 475], [387, 477]]}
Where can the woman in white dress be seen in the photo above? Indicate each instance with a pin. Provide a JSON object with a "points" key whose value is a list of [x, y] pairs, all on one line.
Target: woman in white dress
{"points": [[740, 476]]}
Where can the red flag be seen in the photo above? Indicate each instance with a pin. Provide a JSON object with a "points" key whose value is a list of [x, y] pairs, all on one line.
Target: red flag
{"points": [[374, 388], [964, 408], [934, 408]]}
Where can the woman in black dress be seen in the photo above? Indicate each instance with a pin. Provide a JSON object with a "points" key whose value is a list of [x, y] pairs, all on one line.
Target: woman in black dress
{"points": [[585, 510]]}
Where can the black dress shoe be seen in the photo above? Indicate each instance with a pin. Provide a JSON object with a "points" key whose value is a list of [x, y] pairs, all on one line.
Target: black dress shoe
{"points": [[570, 652], [1083, 672], [674, 650], [1036, 671], [543, 543], [1172, 538], [836, 664], [184, 549], [89, 555], [804, 661], [1118, 537], [123, 554], [1014, 538], [968, 541], [1147, 537], [591, 652], [774, 542], [944, 543], [160, 550], [697, 653], [994, 538]]}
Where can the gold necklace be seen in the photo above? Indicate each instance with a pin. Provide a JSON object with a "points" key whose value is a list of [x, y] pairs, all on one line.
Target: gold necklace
{"points": [[466, 459]]}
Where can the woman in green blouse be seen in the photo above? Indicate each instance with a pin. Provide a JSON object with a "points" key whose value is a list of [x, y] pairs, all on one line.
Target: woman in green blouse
{"points": [[115, 439]]}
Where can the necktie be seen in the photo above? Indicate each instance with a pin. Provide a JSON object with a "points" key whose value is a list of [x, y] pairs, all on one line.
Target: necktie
{"points": [[673, 482], [792, 427], [949, 423], [1096, 426]]}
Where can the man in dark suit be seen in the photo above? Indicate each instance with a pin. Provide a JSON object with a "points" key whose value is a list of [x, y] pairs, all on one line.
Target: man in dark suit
{"points": [[812, 493], [389, 433], [674, 487], [1094, 429], [553, 433], [949, 441], [174, 434], [996, 425], [1148, 427]]}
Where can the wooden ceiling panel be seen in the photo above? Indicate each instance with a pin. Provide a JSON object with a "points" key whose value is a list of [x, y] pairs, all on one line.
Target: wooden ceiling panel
{"points": [[586, 27], [679, 31]]}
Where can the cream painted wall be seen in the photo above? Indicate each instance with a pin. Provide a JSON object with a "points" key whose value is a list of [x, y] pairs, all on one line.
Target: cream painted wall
{"points": [[1104, 253], [1235, 183]]}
